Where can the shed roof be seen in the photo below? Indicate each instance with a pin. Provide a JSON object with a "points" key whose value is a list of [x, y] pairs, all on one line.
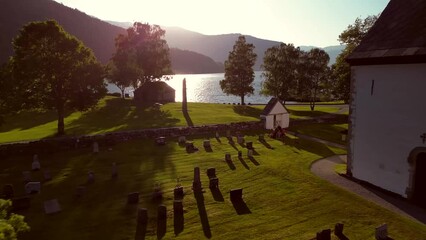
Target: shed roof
{"points": [[271, 104], [398, 36]]}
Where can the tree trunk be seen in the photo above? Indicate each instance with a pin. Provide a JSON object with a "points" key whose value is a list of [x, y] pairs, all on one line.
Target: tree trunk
{"points": [[313, 99], [122, 94], [242, 99], [61, 125]]}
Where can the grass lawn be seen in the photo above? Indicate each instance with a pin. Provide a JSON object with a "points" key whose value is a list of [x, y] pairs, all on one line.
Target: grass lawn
{"points": [[284, 200], [329, 132]]}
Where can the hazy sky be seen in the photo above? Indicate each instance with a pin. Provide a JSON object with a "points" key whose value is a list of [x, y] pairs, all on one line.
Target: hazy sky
{"points": [[301, 22]]}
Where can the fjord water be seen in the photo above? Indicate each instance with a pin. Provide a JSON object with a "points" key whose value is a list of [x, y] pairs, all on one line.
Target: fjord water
{"points": [[205, 88]]}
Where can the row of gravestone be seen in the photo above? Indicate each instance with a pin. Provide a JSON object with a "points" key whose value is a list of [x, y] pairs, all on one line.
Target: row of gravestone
{"points": [[109, 139], [381, 233]]}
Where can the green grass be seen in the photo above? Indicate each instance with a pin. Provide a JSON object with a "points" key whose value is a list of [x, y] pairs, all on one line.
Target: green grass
{"points": [[329, 132], [340, 168], [304, 112], [285, 199], [114, 114]]}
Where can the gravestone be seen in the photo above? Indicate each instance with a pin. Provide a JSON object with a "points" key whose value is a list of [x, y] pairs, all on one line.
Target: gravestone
{"points": [[114, 170], [189, 146], [52, 206], [177, 206], [240, 140], [338, 229], [95, 147], [196, 184], [90, 177], [178, 192], [8, 191], [228, 157], [261, 137], [27, 176], [250, 153], [133, 198], [158, 193], [162, 212], [206, 144], [21, 203], [211, 172], [382, 232], [142, 216], [236, 194], [228, 134], [160, 141], [249, 145], [47, 175], [35, 166], [80, 190], [324, 235], [182, 140], [217, 135], [240, 154], [214, 183], [32, 187]]}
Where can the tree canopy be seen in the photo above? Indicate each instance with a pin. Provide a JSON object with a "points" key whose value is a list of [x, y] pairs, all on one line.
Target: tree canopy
{"points": [[54, 70], [141, 56], [341, 70], [239, 73], [10, 224]]}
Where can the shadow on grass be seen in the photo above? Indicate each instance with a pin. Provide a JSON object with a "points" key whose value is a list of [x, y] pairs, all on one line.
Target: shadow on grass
{"points": [[247, 111], [188, 119], [308, 145], [243, 163], [27, 119], [121, 114], [203, 213], [253, 160], [240, 206], [217, 194], [231, 164], [307, 113], [218, 140], [266, 144]]}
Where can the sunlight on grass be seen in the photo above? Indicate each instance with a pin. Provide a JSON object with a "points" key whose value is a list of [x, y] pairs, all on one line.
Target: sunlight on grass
{"points": [[340, 168]]}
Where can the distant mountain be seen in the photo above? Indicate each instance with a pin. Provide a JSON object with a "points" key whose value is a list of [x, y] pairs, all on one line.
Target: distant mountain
{"points": [[218, 46], [184, 61], [94, 33]]}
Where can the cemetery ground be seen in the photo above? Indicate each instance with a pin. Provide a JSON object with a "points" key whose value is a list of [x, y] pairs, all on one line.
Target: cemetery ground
{"points": [[114, 114], [283, 199]]}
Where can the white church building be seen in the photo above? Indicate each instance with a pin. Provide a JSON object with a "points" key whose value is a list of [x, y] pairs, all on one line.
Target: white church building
{"points": [[387, 132]]}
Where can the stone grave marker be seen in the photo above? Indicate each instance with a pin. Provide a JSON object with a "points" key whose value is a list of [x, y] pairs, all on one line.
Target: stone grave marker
{"points": [[240, 140], [228, 157], [382, 232], [338, 229], [162, 212], [27, 176], [211, 172], [228, 134], [182, 140], [32, 187], [52, 206], [35, 166], [21, 203], [261, 137], [178, 206], [217, 135], [236, 194], [160, 141], [114, 170], [240, 154], [47, 175], [8, 191], [214, 183], [178, 192], [196, 184], [142, 216], [206, 144], [249, 145], [90, 177], [250, 153], [95, 147], [324, 235], [133, 198]]}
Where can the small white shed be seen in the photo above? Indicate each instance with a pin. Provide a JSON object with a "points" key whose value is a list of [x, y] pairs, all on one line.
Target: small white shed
{"points": [[275, 114]]}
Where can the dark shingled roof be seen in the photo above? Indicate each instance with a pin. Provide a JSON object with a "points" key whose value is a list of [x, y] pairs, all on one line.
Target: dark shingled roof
{"points": [[269, 106], [398, 36]]}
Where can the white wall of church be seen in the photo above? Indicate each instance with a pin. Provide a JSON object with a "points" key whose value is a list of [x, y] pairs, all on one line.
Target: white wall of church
{"points": [[388, 120]]}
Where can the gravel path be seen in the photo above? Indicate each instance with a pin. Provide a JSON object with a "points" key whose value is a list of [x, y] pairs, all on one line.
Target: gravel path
{"points": [[324, 168]]}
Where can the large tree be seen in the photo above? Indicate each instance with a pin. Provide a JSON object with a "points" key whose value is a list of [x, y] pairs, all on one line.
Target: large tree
{"points": [[54, 70], [281, 65], [239, 73], [316, 72], [352, 37], [141, 56]]}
